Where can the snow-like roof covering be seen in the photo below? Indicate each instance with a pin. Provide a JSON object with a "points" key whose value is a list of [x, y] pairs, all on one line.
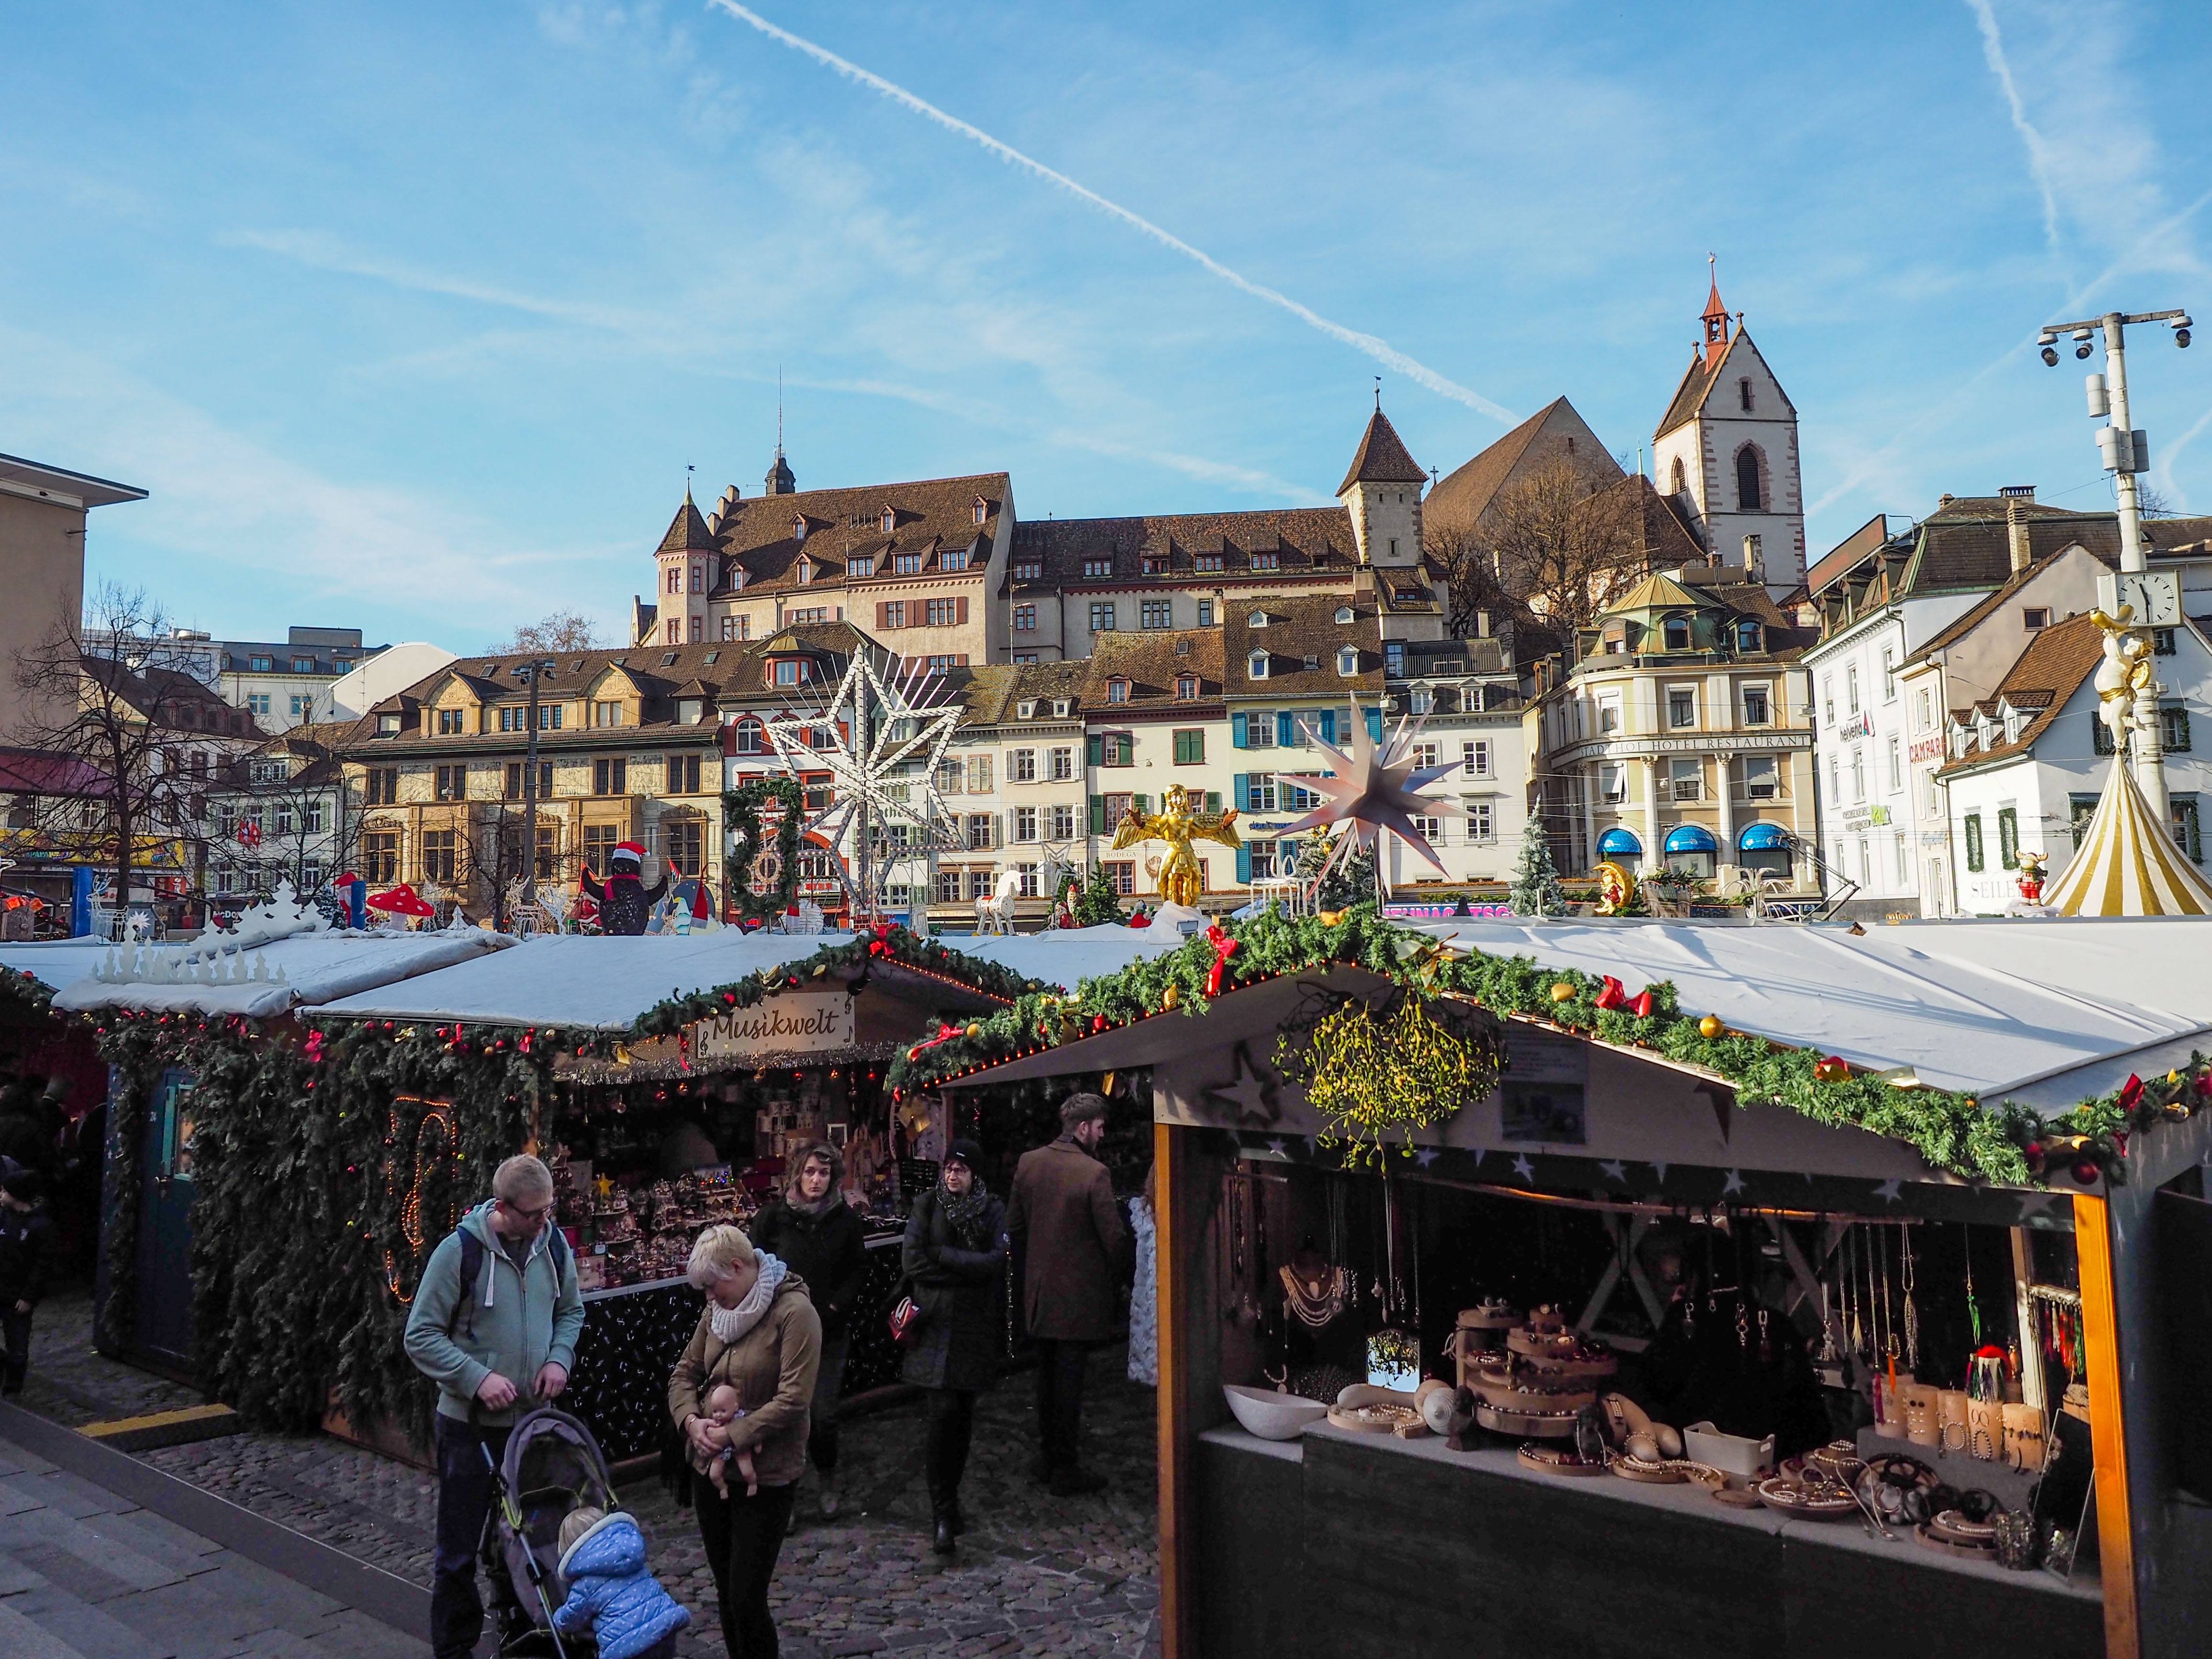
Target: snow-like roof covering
{"points": [[317, 966], [56, 961], [601, 982], [2043, 1011], [1066, 956]]}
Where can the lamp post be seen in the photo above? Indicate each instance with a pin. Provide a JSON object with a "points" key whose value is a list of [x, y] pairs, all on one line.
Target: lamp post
{"points": [[2125, 449], [530, 674]]}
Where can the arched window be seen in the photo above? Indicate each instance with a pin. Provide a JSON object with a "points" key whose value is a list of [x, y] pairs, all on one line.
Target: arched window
{"points": [[1747, 494], [1256, 665], [1343, 615], [1679, 481], [1747, 636], [1676, 632]]}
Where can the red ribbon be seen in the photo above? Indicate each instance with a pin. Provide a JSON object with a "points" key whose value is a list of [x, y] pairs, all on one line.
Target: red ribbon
{"points": [[313, 1048], [2130, 1092], [1224, 948], [944, 1033], [1642, 1007], [880, 945], [1613, 996]]}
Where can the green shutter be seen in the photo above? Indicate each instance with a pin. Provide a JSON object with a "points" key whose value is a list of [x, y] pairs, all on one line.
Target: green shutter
{"points": [[1213, 800], [1097, 812], [1973, 841], [1096, 745], [1237, 733], [1142, 803]]}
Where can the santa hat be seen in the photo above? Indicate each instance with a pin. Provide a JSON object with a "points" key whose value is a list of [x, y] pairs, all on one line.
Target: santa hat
{"points": [[627, 849]]}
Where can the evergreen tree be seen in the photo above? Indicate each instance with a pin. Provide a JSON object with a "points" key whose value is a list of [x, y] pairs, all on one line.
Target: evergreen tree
{"points": [[1099, 903], [1536, 890], [1351, 882]]}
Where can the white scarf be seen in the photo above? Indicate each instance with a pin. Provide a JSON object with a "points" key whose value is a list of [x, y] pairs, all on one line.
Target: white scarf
{"points": [[730, 1324]]}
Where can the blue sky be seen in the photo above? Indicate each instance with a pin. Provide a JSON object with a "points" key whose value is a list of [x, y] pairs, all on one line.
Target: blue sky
{"points": [[413, 315]]}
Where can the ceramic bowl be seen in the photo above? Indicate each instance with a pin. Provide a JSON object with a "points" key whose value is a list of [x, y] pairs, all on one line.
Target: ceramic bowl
{"points": [[1272, 1416]]}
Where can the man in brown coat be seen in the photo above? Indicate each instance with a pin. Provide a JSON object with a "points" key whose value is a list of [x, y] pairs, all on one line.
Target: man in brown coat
{"points": [[1075, 1251]]}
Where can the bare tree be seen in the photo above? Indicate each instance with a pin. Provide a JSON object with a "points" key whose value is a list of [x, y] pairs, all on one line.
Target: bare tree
{"points": [[1547, 555], [562, 630], [148, 735], [2151, 502], [294, 793]]}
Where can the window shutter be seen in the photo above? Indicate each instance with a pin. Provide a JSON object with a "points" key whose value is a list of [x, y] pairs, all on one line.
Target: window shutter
{"points": [[1286, 730], [1244, 864], [1097, 812], [1143, 804], [883, 613], [1236, 732], [1213, 800], [960, 609], [1375, 724], [1239, 790], [1095, 745], [1328, 726]]}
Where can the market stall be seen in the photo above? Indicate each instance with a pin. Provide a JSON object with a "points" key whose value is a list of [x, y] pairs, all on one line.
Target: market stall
{"points": [[666, 1080], [50, 1065], [1715, 1289]]}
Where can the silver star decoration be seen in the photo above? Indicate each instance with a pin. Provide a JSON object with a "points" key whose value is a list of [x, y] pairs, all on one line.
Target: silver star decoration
{"points": [[1888, 1192], [1733, 1184], [1425, 1156], [1660, 1169], [1253, 1095], [1614, 1169], [1278, 1149], [1525, 1169], [911, 715], [2036, 1206], [1374, 788]]}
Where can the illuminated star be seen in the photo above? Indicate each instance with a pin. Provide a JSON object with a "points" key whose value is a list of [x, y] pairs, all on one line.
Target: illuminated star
{"points": [[1525, 1169], [1377, 786], [1887, 1192], [1253, 1095], [1733, 1184], [1614, 1169], [1425, 1156]]}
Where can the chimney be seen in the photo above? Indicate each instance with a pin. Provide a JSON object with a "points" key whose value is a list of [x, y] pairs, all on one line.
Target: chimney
{"points": [[2016, 534], [1753, 563]]}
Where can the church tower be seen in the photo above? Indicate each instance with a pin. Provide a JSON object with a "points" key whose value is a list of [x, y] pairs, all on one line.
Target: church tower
{"points": [[1383, 493], [1726, 450]]}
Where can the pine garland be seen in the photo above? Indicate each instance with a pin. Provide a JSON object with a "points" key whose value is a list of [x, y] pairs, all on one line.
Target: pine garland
{"points": [[741, 817], [1954, 1132]]}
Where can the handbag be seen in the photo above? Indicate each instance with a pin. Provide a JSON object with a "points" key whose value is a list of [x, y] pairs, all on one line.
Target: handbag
{"points": [[906, 1316]]}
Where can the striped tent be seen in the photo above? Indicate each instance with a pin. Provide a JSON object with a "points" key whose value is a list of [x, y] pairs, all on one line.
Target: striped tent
{"points": [[2127, 865]]}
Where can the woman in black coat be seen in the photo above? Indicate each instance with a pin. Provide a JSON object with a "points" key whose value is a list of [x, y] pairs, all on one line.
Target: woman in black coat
{"points": [[956, 1262], [813, 1231]]}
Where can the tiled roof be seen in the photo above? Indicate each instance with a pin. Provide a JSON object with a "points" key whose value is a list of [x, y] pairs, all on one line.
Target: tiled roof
{"points": [[1301, 630], [1464, 493], [1383, 457], [687, 531], [2048, 673], [659, 669], [1697, 382], [930, 516], [1446, 658], [1302, 541], [1153, 663]]}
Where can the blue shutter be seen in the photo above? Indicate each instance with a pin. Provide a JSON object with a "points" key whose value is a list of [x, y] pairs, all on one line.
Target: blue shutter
{"points": [[1236, 732], [1244, 864], [1240, 791], [1328, 726], [1286, 730], [1375, 724]]}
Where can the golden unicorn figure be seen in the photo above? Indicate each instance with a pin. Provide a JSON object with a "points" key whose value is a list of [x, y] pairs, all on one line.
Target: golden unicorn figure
{"points": [[1182, 879]]}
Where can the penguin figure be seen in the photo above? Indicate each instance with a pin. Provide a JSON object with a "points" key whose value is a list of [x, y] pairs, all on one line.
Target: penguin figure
{"points": [[624, 900]]}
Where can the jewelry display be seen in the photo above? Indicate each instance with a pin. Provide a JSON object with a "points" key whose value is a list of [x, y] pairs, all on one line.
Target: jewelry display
{"points": [[1314, 1295], [1911, 1311]]}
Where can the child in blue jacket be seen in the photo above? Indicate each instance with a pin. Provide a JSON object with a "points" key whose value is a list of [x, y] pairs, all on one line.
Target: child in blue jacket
{"points": [[602, 1563]]}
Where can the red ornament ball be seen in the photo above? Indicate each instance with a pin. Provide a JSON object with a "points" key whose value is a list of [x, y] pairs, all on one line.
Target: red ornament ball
{"points": [[2087, 1172]]}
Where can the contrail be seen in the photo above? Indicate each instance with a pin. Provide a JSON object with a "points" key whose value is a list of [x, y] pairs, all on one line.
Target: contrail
{"points": [[2038, 153], [1381, 350]]}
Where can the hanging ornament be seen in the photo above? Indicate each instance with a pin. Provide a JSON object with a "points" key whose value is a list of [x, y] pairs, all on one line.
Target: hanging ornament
{"points": [[1170, 997], [1370, 1078], [1374, 788], [1833, 1068], [1563, 992], [1711, 1026]]}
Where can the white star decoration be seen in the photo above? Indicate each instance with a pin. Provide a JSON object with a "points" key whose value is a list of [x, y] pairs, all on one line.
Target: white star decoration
{"points": [[1374, 788], [1733, 1184], [1525, 1169], [1253, 1095], [1615, 1170], [1887, 1192], [911, 718], [1425, 1156]]}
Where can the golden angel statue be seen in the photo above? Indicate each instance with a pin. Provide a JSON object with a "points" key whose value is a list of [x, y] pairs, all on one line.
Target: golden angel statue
{"points": [[1181, 880]]}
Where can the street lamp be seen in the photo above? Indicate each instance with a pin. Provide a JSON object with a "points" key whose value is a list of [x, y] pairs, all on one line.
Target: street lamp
{"points": [[2125, 449], [530, 674]]}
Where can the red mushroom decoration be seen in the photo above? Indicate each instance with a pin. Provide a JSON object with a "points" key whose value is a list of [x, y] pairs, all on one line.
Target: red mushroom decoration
{"points": [[402, 901]]}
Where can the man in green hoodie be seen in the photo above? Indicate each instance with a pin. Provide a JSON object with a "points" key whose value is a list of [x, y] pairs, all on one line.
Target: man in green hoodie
{"points": [[495, 1319]]}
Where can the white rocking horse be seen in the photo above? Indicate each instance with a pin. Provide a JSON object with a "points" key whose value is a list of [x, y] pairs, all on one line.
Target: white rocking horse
{"points": [[995, 911]]}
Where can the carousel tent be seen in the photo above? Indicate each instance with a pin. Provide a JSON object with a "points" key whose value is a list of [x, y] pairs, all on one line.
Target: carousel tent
{"points": [[2045, 1013], [2127, 865], [244, 980]]}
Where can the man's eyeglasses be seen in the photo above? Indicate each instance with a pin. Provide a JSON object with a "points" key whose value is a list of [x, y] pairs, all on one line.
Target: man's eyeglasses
{"points": [[521, 1214]]}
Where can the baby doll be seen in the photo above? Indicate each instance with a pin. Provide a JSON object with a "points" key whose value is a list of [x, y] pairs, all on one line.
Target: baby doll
{"points": [[722, 1410]]}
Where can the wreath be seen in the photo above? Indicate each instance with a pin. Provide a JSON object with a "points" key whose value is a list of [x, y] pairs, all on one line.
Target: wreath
{"points": [[741, 813]]}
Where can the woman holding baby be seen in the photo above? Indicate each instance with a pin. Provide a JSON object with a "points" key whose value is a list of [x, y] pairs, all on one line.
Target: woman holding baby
{"points": [[740, 1397]]}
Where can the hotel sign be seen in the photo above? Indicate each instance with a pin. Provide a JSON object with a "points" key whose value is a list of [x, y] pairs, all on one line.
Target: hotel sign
{"points": [[1709, 743]]}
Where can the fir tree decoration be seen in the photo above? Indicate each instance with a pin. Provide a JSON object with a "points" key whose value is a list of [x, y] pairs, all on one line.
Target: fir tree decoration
{"points": [[1351, 882], [1536, 890], [1099, 906]]}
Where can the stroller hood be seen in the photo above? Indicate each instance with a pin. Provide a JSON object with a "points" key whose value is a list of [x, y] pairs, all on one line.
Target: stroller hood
{"points": [[613, 1548]]}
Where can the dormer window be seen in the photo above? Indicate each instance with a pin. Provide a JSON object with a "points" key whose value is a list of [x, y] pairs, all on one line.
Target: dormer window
{"points": [[1207, 562], [1347, 660], [1156, 564], [887, 520], [1026, 709], [1060, 706], [1675, 633], [1257, 619], [798, 527], [978, 509], [1187, 688], [861, 564], [387, 726], [1266, 561], [1748, 634], [1029, 570], [1343, 616], [956, 559], [1098, 567], [1117, 690], [1256, 665], [804, 570], [907, 564], [787, 670], [1182, 647]]}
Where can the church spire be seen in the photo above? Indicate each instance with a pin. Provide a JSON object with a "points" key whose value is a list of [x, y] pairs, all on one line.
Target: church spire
{"points": [[1715, 318]]}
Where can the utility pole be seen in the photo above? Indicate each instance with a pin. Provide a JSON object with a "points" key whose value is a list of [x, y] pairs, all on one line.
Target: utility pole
{"points": [[531, 673], [2155, 596]]}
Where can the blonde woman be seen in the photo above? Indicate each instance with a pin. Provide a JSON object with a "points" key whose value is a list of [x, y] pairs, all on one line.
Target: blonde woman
{"points": [[759, 1334]]}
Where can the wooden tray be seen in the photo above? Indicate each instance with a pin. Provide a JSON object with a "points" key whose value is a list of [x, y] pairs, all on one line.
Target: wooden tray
{"points": [[1477, 1319], [1531, 1458], [1533, 1424], [1651, 1475], [1777, 1494], [1505, 1396]]}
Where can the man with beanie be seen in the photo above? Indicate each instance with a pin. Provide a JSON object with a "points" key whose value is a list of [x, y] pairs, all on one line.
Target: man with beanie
{"points": [[495, 1326], [1076, 1249], [25, 1253]]}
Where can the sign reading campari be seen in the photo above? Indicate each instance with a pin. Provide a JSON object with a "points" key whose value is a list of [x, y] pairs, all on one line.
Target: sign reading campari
{"points": [[796, 1023]]}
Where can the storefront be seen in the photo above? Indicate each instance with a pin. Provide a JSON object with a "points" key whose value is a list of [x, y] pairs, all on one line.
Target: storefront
{"points": [[1891, 1342]]}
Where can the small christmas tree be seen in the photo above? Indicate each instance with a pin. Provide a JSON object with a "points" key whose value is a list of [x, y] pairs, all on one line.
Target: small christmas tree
{"points": [[1536, 890], [1099, 905], [1351, 882]]}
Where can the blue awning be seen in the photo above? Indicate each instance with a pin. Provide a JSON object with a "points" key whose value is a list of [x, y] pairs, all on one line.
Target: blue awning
{"points": [[1764, 838], [1691, 838], [1617, 843]]}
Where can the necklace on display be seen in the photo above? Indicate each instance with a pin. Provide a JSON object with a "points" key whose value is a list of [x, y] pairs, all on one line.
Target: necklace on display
{"points": [[1315, 1294], [1858, 1301], [1911, 1311]]}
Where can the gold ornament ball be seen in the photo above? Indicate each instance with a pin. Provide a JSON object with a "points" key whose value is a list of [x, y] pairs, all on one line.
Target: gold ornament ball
{"points": [[1710, 1026], [1170, 997], [975, 1030], [1563, 992]]}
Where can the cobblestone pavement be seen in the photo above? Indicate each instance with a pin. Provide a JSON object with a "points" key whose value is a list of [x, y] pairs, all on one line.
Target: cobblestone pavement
{"points": [[1035, 1575]]}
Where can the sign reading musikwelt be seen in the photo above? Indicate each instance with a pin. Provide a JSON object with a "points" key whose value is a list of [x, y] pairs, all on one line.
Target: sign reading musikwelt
{"points": [[796, 1023]]}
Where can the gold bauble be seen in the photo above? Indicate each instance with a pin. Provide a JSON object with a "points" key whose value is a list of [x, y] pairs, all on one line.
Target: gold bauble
{"points": [[975, 1030], [1710, 1026], [1170, 997], [1330, 918], [1563, 992]]}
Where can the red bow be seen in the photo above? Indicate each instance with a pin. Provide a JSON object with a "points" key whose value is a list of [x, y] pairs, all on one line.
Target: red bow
{"points": [[2130, 1092], [313, 1048], [1642, 1007], [1613, 996], [1224, 948], [880, 945], [944, 1033]]}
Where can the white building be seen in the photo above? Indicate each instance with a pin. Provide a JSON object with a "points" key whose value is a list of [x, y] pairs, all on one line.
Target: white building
{"points": [[2027, 765], [287, 685]]}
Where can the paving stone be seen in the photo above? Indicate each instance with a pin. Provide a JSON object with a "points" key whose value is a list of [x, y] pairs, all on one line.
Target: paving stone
{"points": [[354, 1635], [22, 1639], [88, 1630], [89, 1543], [72, 1573], [277, 1600]]}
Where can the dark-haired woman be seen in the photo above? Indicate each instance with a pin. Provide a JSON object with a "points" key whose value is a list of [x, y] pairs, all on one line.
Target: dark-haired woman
{"points": [[955, 1263]]}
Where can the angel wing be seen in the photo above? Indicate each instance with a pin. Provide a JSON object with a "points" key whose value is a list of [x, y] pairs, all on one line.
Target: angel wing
{"points": [[1220, 828], [1132, 831]]}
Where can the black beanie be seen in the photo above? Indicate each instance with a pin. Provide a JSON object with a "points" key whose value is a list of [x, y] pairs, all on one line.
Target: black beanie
{"points": [[967, 1152]]}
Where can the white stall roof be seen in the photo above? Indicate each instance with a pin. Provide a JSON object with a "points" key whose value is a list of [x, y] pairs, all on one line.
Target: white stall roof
{"points": [[56, 961], [2046, 1012], [1066, 956], [317, 966], [602, 982]]}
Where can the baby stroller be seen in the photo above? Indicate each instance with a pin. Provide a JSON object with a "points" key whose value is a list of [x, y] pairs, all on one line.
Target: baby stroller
{"points": [[552, 1466]]}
